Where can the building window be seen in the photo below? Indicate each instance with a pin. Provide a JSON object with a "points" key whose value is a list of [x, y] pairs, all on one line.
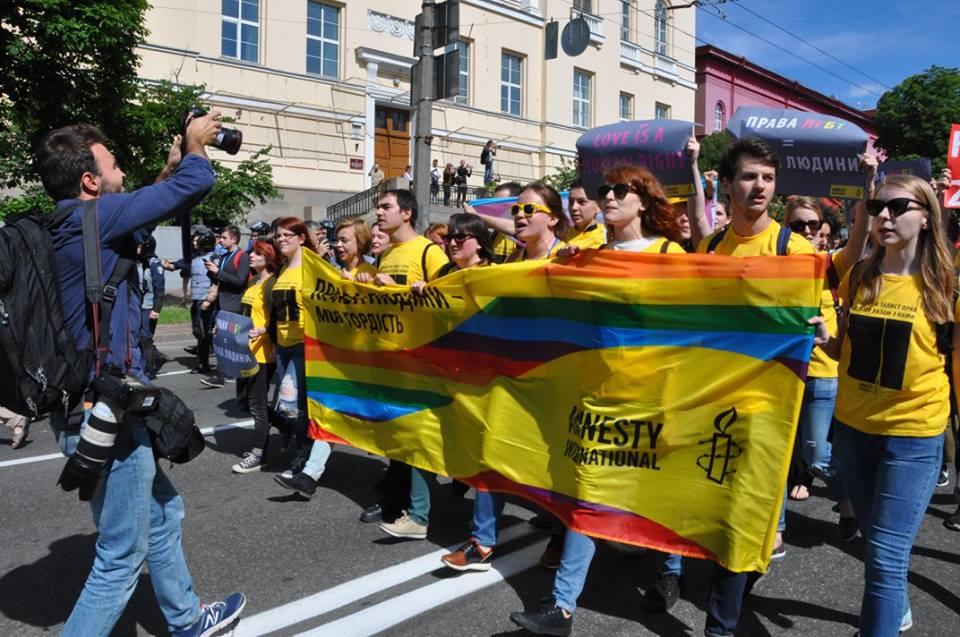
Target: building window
{"points": [[463, 91], [581, 98], [660, 28], [586, 6], [240, 29], [626, 107], [661, 111], [511, 83], [625, 20], [323, 39], [719, 117]]}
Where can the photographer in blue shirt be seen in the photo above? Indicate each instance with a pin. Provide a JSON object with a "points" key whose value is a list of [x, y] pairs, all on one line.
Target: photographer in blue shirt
{"points": [[135, 506]]}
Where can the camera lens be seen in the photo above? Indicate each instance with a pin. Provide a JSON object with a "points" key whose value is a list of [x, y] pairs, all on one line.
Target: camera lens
{"points": [[229, 140]]}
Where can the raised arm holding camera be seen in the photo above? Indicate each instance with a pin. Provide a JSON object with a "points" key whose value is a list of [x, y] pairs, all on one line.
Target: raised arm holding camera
{"points": [[136, 508]]}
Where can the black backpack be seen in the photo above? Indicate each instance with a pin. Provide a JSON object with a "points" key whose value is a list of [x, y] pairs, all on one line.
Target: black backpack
{"points": [[40, 367]]}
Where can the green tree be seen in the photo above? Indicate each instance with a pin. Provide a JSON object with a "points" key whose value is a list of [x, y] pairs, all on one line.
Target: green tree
{"points": [[914, 117], [712, 148], [67, 61], [563, 175]]}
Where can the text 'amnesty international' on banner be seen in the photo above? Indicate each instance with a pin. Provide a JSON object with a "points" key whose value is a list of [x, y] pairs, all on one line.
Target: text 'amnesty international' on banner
{"points": [[819, 154], [646, 399], [231, 344], [657, 145]]}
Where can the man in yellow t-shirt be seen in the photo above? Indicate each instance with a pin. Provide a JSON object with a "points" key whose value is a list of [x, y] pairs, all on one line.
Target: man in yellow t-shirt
{"points": [[410, 257]]}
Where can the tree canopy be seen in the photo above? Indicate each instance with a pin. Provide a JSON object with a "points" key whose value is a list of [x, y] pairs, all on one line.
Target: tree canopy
{"points": [[68, 61], [913, 118]]}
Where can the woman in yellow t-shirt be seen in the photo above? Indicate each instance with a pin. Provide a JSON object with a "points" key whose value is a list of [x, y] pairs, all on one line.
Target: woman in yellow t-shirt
{"points": [[893, 395], [353, 241], [286, 316], [539, 223], [264, 264], [804, 217]]}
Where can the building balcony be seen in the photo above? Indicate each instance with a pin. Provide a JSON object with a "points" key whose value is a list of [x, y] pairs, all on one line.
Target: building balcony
{"points": [[665, 64], [662, 66], [596, 26]]}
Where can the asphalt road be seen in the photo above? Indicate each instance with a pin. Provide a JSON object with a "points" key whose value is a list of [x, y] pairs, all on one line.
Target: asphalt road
{"points": [[310, 567]]}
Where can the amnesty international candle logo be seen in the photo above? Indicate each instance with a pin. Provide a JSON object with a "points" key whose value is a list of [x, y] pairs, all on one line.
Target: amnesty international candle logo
{"points": [[723, 449]]}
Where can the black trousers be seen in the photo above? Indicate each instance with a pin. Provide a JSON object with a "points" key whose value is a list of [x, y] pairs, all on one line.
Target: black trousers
{"points": [[202, 321]]}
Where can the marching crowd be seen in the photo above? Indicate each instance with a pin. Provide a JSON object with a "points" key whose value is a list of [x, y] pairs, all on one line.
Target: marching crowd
{"points": [[877, 423]]}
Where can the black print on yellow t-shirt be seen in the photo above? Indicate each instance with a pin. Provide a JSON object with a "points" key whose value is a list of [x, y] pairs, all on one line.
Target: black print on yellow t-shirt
{"points": [[285, 305], [878, 350], [399, 279]]}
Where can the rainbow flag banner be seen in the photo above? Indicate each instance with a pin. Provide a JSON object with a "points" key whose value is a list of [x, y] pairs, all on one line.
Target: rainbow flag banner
{"points": [[646, 399]]}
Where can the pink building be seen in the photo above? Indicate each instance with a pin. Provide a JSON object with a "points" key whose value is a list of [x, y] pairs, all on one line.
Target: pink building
{"points": [[726, 82]]}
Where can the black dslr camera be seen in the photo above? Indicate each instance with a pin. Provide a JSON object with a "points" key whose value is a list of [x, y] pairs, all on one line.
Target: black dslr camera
{"points": [[228, 140]]}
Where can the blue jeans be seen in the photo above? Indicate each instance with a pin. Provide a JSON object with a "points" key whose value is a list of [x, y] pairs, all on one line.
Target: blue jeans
{"points": [[487, 507], [317, 461], [816, 414], [889, 480], [578, 550], [419, 495], [137, 512], [488, 172], [291, 393]]}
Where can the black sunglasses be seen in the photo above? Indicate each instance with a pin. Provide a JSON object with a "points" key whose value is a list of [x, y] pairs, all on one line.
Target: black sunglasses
{"points": [[460, 237], [619, 191], [896, 206], [800, 225]]}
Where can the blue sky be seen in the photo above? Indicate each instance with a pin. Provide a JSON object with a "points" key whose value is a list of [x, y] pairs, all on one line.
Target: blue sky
{"points": [[885, 39]]}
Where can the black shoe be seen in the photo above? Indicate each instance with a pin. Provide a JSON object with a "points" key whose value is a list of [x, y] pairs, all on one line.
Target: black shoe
{"points": [[953, 522], [192, 350], [663, 595], [216, 381], [847, 529], [372, 514], [300, 482], [200, 369], [549, 620], [943, 479], [160, 362]]}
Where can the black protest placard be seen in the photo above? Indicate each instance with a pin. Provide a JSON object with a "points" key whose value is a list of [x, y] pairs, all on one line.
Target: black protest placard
{"points": [[917, 167], [657, 145], [231, 344], [819, 154]]}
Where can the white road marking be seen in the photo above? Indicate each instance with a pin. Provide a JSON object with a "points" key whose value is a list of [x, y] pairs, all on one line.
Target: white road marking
{"points": [[242, 424], [325, 601], [384, 615]]}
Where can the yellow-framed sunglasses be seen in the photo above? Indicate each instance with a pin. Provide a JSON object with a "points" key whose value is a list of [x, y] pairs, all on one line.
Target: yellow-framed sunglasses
{"points": [[528, 209]]}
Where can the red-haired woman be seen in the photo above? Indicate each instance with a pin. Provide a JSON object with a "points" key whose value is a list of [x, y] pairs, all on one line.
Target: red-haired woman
{"points": [[286, 313], [264, 264]]}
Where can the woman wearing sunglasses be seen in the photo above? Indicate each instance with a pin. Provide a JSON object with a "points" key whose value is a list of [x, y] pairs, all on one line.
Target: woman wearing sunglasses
{"points": [[893, 395], [639, 218], [538, 222], [804, 217]]}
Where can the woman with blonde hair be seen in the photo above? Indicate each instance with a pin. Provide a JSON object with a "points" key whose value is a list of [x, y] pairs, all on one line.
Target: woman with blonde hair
{"points": [[354, 238], [893, 397], [539, 222]]}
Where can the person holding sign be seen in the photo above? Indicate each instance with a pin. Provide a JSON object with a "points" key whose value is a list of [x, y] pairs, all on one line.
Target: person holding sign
{"points": [[893, 397], [286, 314], [641, 219], [263, 263]]}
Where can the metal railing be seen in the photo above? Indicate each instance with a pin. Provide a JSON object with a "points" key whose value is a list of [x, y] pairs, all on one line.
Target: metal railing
{"points": [[355, 205], [472, 192]]}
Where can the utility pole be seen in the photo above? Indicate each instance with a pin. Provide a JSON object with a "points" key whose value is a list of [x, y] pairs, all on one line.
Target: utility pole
{"points": [[422, 90]]}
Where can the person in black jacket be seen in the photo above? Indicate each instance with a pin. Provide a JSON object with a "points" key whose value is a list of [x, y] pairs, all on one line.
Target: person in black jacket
{"points": [[231, 276], [464, 170]]}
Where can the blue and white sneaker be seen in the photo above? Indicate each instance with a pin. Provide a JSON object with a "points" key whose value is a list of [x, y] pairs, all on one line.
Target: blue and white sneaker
{"points": [[214, 617]]}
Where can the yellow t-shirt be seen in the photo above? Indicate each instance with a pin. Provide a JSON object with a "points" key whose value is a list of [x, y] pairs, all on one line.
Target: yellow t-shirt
{"points": [[520, 254], [821, 365], [503, 246], [363, 268], [404, 261], [656, 247], [764, 243], [254, 303], [593, 237], [288, 306], [892, 379]]}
